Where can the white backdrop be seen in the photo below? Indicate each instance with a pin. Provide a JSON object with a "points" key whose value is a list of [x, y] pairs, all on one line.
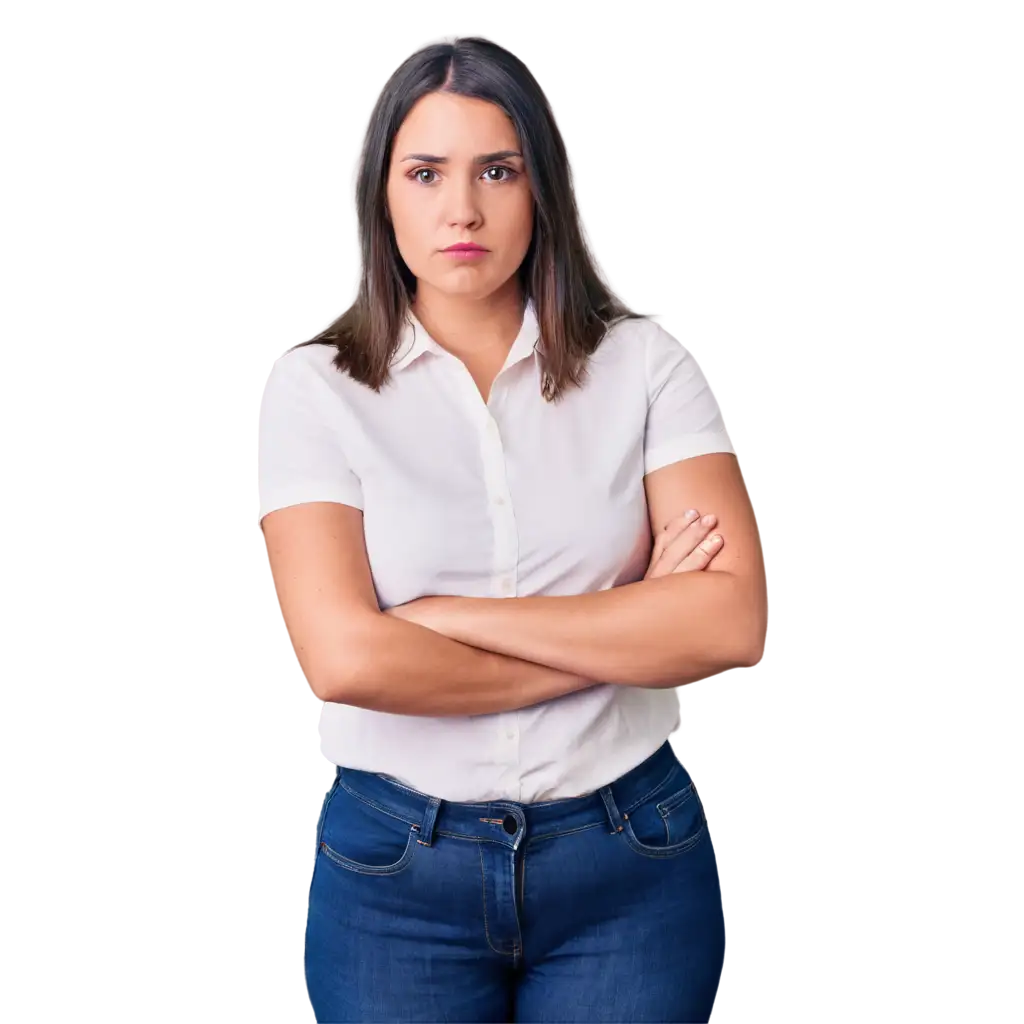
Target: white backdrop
{"points": [[858, 378]]}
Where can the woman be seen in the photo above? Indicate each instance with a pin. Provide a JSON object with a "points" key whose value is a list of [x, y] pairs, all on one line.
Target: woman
{"points": [[495, 424]]}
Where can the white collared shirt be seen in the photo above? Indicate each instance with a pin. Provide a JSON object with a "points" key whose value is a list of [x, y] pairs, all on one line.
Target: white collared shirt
{"points": [[513, 497]]}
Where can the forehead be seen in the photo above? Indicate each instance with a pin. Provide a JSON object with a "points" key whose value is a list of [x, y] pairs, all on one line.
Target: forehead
{"points": [[455, 126]]}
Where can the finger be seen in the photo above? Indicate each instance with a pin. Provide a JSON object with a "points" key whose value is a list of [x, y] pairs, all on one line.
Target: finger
{"points": [[688, 539], [675, 527], [669, 537], [669, 532], [672, 529], [701, 554]]}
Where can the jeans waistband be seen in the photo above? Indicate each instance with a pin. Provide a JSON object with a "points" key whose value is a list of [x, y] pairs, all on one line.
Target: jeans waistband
{"points": [[507, 821]]}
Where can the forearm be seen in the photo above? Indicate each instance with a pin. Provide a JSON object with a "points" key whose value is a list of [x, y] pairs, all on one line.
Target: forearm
{"points": [[408, 669], [664, 631]]}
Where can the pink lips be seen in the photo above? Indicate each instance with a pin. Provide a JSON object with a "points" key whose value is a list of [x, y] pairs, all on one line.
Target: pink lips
{"points": [[461, 251]]}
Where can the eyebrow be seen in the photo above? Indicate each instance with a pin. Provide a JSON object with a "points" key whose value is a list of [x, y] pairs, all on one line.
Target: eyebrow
{"points": [[484, 158]]}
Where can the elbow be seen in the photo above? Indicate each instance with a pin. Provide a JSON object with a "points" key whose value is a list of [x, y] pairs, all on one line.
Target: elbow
{"points": [[752, 650], [754, 628], [729, 651], [336, 683], [752, 639], [338, 672], [744, 652], [334, 680], [327, 688]]}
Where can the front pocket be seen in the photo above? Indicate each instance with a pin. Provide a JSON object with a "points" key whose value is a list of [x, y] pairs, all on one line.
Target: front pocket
{"points": [[363, 837], [666, 827]]}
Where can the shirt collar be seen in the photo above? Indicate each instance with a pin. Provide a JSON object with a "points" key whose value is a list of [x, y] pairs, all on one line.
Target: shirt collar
{"points": [[415, 340]]}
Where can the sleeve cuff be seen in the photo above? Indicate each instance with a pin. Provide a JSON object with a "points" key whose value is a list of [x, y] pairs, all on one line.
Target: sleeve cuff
{"points": [[686, 447], [301, 493]]}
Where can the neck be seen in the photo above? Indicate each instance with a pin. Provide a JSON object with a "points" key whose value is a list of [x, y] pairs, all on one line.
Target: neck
{"points": [[469, 327]]}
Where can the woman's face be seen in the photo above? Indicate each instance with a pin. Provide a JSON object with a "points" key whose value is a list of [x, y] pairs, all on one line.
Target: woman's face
{"points": [[468, 194]]}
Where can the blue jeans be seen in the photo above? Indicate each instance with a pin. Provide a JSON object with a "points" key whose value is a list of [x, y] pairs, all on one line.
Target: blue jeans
{"points": [[603, 907]]}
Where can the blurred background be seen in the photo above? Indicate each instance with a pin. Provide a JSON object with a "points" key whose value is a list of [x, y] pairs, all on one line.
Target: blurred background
{"points": [[817, 200]]}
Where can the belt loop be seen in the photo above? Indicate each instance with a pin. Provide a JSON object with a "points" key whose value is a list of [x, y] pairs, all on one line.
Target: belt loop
{"points": [[614, 817], [429, 819]]}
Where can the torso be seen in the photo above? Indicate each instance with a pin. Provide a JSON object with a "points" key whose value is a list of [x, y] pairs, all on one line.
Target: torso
{"points": [[525, 498]]}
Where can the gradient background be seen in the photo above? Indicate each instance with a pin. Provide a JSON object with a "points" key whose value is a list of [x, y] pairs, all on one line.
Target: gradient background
{"points": [[817, 198]]}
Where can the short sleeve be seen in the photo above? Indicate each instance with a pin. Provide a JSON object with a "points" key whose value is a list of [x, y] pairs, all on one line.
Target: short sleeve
{"points": [[683, 417], [301, 444]]}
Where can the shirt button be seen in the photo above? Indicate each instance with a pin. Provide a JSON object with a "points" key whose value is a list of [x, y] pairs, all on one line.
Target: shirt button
{"points": [[508, 586], [499, 500]]}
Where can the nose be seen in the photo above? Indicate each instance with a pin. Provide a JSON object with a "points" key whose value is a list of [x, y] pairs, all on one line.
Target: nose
{"points": [[461, 206]]}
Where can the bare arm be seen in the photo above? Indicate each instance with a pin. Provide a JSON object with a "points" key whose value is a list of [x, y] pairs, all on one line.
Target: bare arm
{"points": [[409, 669], [658, 632], [352, 653], [666, 631], [433, 673]]}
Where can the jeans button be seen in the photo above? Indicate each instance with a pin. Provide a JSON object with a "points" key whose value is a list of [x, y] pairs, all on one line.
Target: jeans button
{"points": [[510, 824]]}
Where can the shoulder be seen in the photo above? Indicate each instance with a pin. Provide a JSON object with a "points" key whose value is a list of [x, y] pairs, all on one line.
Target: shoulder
{"points": [[305, 363], [625, 340], [306, 375], [627, 330], [640, 336], [643, 342]]}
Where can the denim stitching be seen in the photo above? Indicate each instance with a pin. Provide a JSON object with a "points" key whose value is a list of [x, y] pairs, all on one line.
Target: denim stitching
{"points": [[567, 832], [323, 812], [487, 931], [374, 804], [522, 881], [670, 803], [368, 869], [646, 796], [656, 852], [667, 851], [551, 835]]}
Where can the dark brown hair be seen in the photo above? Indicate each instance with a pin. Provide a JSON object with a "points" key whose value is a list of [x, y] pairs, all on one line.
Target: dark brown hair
{"points": [[573, 304]]}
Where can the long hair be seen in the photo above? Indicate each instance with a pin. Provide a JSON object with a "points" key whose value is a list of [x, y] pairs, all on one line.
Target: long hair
{"points": [[573, 304]]}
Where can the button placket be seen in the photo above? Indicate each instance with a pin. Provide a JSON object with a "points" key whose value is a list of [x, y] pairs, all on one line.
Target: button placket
{"points": [[506, 538], [499, 507], [505, 560], [510, 730]]}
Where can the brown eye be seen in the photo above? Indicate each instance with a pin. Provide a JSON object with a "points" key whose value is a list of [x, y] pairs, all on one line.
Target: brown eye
{"points": [[500, 167]]}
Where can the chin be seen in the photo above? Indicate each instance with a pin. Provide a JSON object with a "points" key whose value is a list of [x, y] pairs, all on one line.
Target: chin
{"points": [[464, 286]]}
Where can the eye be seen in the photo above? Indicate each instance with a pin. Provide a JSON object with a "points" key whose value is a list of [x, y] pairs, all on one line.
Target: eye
{"points": [[501, 167], [420, 170], [506, 174]]}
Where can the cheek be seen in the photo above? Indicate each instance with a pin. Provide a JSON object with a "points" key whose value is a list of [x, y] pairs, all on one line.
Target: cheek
{"points": [[411, 237], [518, 225], [526, 220]]}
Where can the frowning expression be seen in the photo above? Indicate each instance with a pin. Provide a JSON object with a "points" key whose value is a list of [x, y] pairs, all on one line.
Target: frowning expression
{"points": [[457, 175]]}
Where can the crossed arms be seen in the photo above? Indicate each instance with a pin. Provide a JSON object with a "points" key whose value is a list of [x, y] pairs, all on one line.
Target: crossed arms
{"points": [[656, 632], [447, 658]]}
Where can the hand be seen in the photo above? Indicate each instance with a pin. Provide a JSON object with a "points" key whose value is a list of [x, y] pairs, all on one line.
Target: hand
{"points": [[683, 546]]}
